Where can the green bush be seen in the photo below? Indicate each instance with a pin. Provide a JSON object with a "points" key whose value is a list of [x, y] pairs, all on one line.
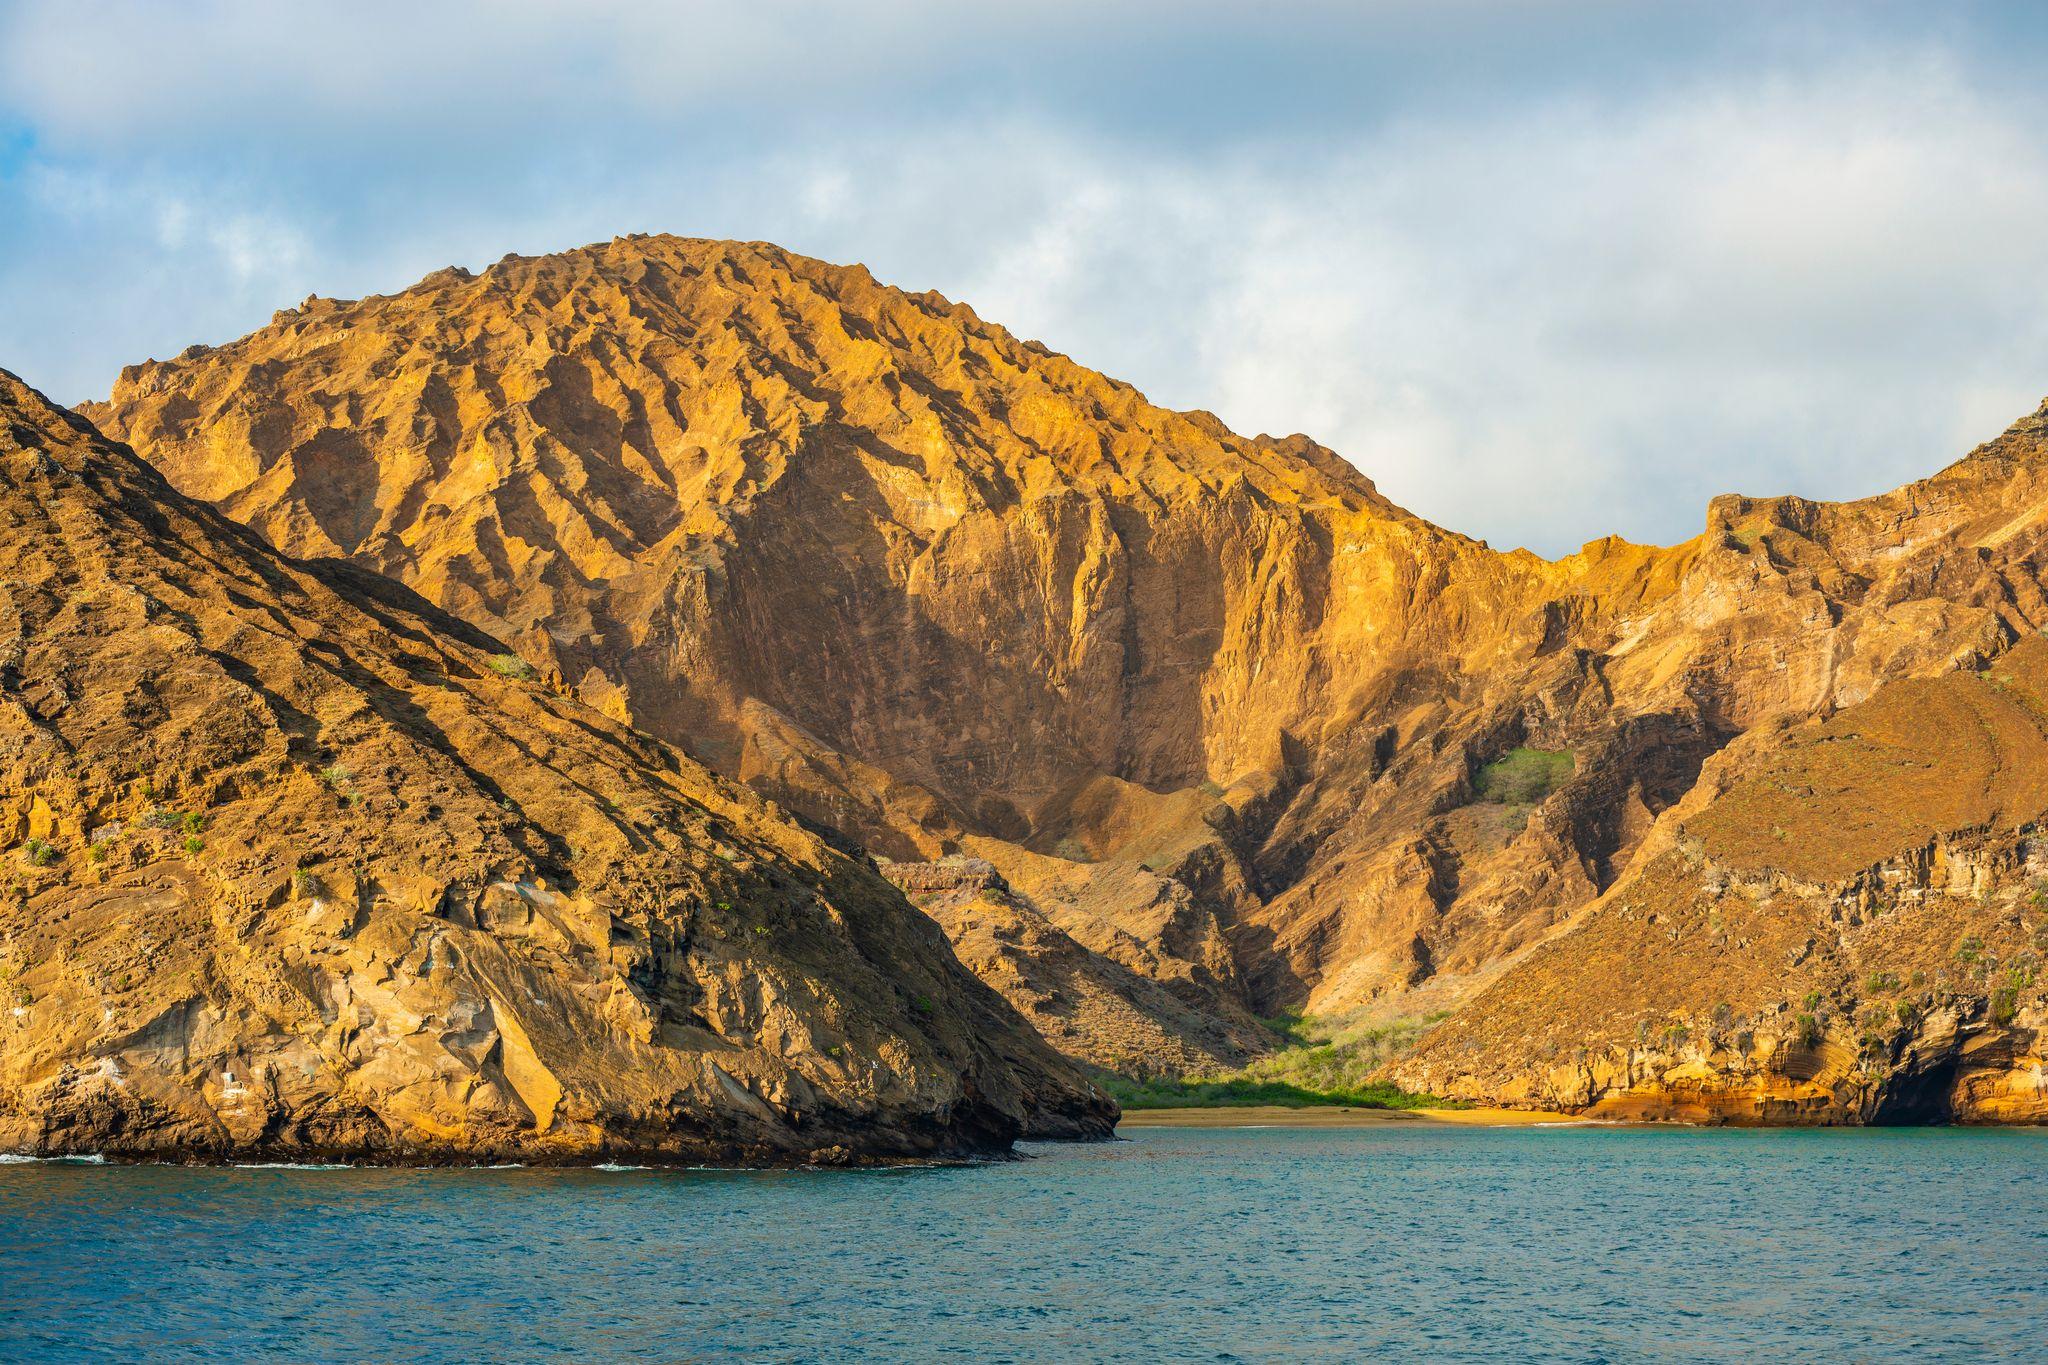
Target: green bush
{"points": [[40, 853], [1806, 1031], [511, 666], [1242, 1090], [1522, 777]]}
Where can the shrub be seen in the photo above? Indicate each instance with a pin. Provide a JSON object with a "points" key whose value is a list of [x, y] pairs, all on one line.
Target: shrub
{"points": [[1806, 1031], [2004, 1004], [194, 823], [1813, 999], [40, 853], [96, 854], [1969, 948], [304, 883], [336, 775], [921, 1002], [1522, 777], [1222, 1091], [511, 666], [194, 844]]}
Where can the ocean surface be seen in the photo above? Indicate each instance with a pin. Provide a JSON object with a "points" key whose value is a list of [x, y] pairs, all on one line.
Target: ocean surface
{"points": [[1569, 1243]]}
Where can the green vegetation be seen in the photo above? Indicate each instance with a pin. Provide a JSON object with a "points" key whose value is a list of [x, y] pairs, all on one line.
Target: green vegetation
{"points": [[194, 845], [1242, 1090], [40, 853], [303, 882], [1331, 1062], [1806, 1030], [1522, 777], [511, 666], [921, 1003], [336, 776], [1969, 949]]}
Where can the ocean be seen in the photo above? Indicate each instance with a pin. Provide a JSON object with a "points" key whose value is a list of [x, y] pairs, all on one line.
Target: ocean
{"points": [[1394, 1242]]}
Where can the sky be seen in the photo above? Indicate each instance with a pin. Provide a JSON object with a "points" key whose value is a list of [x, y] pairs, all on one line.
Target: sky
{"points": [[1544, 271]]}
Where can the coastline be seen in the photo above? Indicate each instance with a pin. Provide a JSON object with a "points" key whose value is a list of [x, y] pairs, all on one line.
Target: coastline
{"points": [[1337, 1116]]}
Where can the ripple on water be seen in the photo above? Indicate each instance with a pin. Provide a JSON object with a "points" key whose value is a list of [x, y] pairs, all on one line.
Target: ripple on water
{"points": [[1531, 1244]]}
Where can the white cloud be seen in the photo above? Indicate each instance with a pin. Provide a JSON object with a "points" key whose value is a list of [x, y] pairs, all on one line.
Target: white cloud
{"points": [[1537, 316]]}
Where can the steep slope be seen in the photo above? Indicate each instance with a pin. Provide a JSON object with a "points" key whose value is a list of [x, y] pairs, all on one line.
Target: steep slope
{"points": [[929, 583], [1079, 997], [1846, 923], [301, 867], [953, 594]]}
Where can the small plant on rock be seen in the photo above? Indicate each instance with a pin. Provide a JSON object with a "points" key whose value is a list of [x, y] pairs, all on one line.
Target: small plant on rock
{"points": [[511, 666], [41, 853]]}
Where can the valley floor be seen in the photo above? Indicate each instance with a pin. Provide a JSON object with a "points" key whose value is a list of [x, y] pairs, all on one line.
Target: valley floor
{"points": [[1332, 1116]]}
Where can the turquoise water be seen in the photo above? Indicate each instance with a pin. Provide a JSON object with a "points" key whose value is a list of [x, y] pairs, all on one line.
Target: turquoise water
{"points": [[1260, 1244]]}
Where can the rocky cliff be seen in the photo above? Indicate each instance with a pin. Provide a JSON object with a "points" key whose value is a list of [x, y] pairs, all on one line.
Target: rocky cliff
{"points": [[298, 866], [1278, 742]]}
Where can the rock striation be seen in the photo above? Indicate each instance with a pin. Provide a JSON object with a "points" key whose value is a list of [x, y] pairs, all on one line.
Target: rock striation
{"points": [[1221, 713], [300, 867]]}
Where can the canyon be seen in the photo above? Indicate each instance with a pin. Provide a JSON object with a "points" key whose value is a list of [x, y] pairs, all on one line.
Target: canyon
{"points": [[1172, 729]]}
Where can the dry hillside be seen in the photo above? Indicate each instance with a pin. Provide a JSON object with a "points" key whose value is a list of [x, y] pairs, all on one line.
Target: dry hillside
{"points": [[299, 866], [957, 596]]}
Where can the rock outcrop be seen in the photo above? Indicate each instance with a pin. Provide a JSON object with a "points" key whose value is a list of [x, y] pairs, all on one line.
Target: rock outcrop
{"points": [[1084, 1001], [1846, 923], [299, 867], [1278, 743]]}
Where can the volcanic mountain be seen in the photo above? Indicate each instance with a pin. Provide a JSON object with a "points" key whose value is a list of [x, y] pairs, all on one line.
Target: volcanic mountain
{"points": [[1212, 712], [302, 867]]}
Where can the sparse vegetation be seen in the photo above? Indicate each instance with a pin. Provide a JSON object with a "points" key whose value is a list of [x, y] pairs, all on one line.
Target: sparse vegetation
{"points": [[1523, 777], [1806, 1030], [336, 776], [511, 666], [1331, 1062], [41, 853], [1969, 949], [1244, 1090], [194, 845], [304, 883]]}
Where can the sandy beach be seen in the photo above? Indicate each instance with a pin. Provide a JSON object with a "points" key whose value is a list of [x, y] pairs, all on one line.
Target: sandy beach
{"points": [[1334, 1116]]}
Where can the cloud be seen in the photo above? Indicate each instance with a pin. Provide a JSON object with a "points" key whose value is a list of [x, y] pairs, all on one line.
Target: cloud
{"points": [[1537, 300]]}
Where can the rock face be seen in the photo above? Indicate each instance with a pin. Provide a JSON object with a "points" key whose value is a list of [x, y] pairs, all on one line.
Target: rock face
{"points": [[300, 867], [1282, 744], [1081, 998], [1846, 923]]}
